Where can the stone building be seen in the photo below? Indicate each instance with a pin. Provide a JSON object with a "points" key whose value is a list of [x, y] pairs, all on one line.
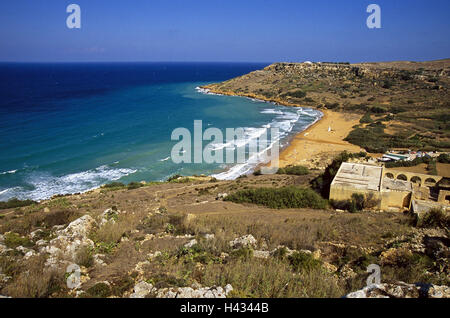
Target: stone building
{"points": [[392, 190]]}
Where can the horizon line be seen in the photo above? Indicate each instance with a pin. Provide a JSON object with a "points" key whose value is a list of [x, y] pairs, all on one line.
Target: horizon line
{"points": [[236, 62]]}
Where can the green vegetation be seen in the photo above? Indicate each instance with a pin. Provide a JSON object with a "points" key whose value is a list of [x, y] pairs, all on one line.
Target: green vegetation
{"points": [[178, 179], [15, 203], [296, 94], [13, 240], [357, 203], [281, 198], [303, 262], [99, 290], [134, 185], [434, 218], [366, 119], [412, 163], [113, 185], [294, 170], [444, 158]]}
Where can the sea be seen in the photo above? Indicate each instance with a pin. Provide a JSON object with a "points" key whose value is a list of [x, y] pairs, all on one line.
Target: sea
{"points": [[69, 128]]}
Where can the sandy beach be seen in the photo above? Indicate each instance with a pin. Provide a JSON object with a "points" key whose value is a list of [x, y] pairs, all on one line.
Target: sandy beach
{"points": [[315, 146]]}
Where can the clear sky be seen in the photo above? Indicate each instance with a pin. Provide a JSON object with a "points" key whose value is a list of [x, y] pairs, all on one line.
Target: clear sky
{"points": [[224, 30]]}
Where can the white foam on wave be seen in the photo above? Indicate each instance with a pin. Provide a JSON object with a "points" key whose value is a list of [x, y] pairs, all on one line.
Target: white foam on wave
{"points": [[285, 121], [44, 185], [8, 172], [205, 91], [165, 159]]}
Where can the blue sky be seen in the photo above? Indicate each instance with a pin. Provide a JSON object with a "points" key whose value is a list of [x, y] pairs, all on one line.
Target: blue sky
{"points": [[232, 30]]}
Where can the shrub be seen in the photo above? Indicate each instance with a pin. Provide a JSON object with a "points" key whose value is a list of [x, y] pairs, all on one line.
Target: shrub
{"points": [[332, 106], [387, 84], [99, 290], [113, 185], [243, 253], [257, 172], [303, 262], [13, 240], [282, 198], [174, 178], [378, 110], [294, 170], [84, 257], [434, 218], [444, 158], [412, 163], [357, 203], [134, 185], [358, 200], [366, 119], [15, 203], [297, 94]]}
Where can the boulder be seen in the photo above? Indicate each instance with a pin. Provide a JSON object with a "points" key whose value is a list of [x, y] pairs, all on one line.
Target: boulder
{"points": [[142, 289]]}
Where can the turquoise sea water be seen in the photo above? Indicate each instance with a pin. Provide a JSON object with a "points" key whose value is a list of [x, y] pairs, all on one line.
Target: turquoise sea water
{"points": [[70, 128]]}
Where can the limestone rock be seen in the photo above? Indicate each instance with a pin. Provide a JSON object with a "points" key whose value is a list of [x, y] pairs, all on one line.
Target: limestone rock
{"points": [[98, 259], [261, 254], [142, 289], [243, 241], [190, 292], [209, 237], [221, 196], [69, 240], [109, 215], [402, 290], [190, 243]]}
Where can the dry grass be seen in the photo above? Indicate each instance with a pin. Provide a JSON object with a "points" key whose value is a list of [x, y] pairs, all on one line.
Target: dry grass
{"points": [[271, 279], [112, 232], [302, 230], [35, 280]]}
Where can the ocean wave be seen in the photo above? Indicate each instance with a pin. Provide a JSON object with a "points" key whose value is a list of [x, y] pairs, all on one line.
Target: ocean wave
{"points": [[41, 186], [285, 121], [205, 91], [165, 159], [8, 172]]}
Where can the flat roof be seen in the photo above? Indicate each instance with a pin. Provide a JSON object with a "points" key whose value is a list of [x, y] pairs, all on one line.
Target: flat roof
{"points": [[397, 185], [359, 176]]}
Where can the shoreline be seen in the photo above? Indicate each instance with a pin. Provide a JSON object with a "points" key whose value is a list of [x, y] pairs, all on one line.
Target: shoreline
{"points": [[315, 146]]}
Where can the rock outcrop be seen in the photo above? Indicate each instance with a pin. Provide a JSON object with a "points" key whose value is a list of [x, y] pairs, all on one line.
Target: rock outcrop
{"points": [[144, 289], [402, 290], [69, 241]]}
